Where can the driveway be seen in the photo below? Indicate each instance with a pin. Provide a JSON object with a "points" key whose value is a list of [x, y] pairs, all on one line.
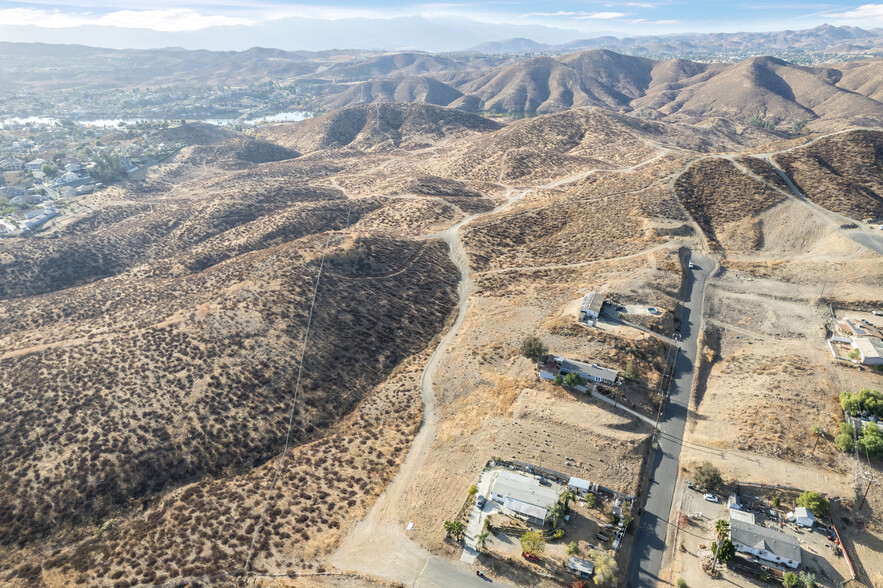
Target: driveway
{"points": [[651, 534]]}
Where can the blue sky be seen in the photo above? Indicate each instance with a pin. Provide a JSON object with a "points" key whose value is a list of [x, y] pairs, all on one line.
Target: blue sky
{"points": [[633, 17]]}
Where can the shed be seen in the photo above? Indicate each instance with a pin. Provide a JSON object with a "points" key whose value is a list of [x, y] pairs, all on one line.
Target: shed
{"points": [[579, 485], [802, 516], [870, 350], [581, 567]]}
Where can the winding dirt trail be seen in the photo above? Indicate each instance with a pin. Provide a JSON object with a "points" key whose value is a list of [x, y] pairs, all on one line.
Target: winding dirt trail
{"points": [[379, 545]]}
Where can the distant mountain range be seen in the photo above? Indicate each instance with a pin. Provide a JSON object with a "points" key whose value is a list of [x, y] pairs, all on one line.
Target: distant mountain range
{"points": [[296, 34], [821, 38]]}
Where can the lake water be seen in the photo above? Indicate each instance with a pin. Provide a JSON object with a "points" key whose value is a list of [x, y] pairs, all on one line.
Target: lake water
{"points": [[112, 122]]}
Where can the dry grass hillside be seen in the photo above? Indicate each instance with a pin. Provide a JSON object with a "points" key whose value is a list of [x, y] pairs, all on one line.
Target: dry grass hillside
{"points": [[379, 127], [843, 173], [151, 338]]}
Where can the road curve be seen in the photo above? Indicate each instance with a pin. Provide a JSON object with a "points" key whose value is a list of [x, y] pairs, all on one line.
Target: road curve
{"points": [[654, 525]]}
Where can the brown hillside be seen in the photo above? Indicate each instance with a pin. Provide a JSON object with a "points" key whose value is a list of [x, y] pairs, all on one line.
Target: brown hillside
{"points": [[843, 173], [379, 127], [411, 89]]}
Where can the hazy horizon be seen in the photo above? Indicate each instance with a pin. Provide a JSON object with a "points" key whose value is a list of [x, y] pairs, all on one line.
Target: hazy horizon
{"points": [[204, 24]]}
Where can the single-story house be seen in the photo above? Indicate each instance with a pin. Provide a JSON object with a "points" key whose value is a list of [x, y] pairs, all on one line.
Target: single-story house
{"points": [[802, 516], [36, 164], [590, 307], [743, 516], [523, 495], [591, 372], [870, 350], [581, 567], [767, 544], [858, 330]]}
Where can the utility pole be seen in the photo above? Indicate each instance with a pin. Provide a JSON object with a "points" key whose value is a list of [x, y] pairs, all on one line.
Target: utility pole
{"points": [[819, 434]]}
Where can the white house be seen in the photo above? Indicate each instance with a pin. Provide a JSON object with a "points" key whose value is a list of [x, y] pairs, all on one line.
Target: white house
{"points": [[767, 544], [11, 165], [523, 495], [802, 516], [35, 165], [870, 350], [590, 307], [591, 372]]}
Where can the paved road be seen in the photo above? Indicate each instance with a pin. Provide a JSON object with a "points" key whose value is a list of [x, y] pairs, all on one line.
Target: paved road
{"points": [[650, 540], [440, 573]]}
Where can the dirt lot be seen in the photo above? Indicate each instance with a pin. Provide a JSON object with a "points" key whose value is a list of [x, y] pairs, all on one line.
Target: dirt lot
{"points": [[697, 534]]}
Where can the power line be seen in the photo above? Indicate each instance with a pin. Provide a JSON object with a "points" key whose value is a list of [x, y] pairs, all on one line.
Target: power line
{"points": [[303, 351]]}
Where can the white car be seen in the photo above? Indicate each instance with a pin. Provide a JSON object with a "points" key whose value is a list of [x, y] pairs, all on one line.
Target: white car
{"points": [[877, 312], [711, 498], [690, 265]]}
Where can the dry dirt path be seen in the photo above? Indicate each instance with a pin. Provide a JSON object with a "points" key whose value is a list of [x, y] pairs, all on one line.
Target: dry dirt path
{"points": [[379, 544]]}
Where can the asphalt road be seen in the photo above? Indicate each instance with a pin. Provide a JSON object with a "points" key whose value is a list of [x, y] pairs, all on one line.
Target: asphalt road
{"points": [[441, 573], [650, 540]]}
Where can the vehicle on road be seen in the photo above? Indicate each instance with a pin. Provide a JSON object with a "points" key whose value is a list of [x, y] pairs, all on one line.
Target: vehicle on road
{"points": [[711, 497], [480, 502], [877, 312]]}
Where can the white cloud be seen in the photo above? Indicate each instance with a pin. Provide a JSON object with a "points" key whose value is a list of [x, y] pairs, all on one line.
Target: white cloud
{"points": [[865, 13], [636, 5], [578, 15], [173, 19]]}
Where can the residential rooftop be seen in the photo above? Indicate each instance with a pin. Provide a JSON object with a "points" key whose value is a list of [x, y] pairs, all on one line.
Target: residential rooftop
{"points": [[775, 542]]}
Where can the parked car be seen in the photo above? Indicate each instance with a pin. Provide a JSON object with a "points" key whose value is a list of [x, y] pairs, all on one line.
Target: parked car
{"points": [[877, 312], [529, 556], [711, 498], [690, 265], [480, 502]]}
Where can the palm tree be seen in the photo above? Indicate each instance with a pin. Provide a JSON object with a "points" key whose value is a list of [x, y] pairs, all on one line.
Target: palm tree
{"points": [[556, 513], [567, 496], [722, 528], [482, 538]]}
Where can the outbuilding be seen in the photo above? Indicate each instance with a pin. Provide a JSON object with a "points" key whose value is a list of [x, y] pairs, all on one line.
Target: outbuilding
{"points": [[870, 350], [802, 516], [590, 307], [581, 567]]}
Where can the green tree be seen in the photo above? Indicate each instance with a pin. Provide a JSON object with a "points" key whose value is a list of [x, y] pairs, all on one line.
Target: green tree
{"points": [[814, 502], [481, 539], [453, 528], [798, 126], [473, 490], [591, 500], [572, 548], [844, 442], [777, 500], [849, 403], [47, 170], [572, 379], [854, 354], [706, 476], [725, 551], [559, 379], [847, 429], [631, 370], [681, 583], [722, 529], [791, 580], [871, 441], [534, 349], [556, 513], [566, 496], [808, 579], [108, 168], [532, 543], [605, 568]]}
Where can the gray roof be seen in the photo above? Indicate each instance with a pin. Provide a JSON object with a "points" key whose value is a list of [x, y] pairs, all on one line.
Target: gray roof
{"points": [[529, 510], [870, 347], [741, 515], [592, 301], [524, 489], [776, 542], [581, 565], [590, 369]]}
